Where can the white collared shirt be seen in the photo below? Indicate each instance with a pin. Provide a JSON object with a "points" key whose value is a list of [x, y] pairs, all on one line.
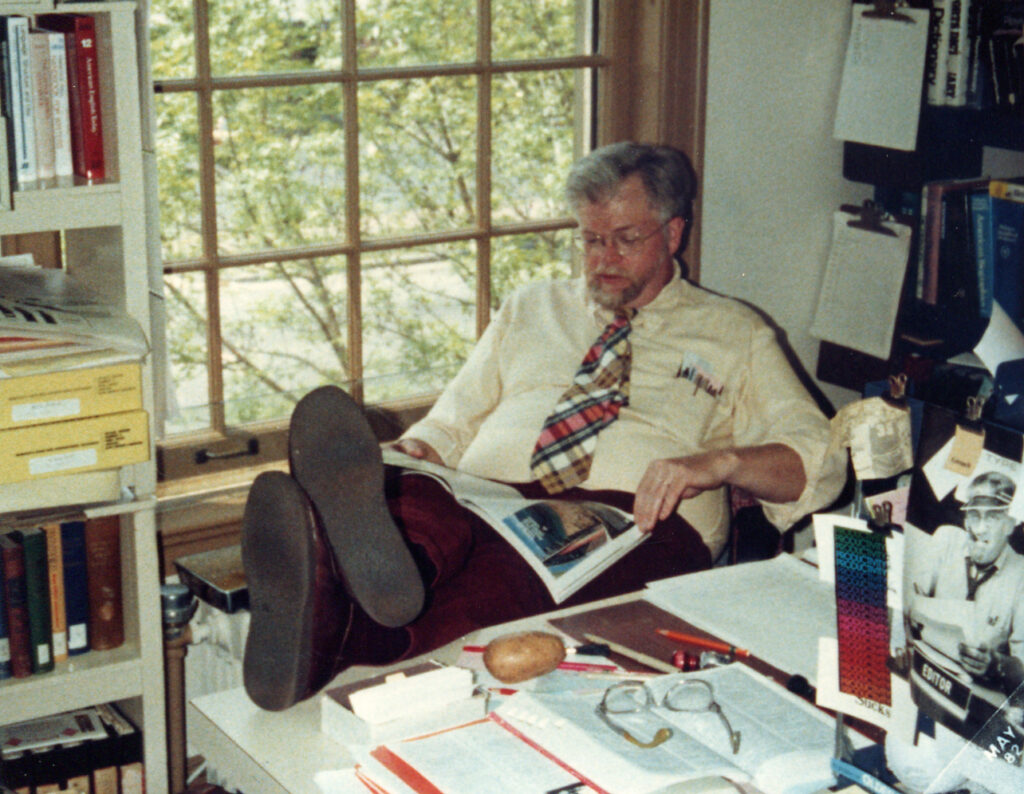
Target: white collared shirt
{"points": [[707, 373]]}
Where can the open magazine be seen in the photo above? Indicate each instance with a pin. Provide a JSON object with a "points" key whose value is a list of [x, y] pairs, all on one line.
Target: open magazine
{"points": [[566, 543]]}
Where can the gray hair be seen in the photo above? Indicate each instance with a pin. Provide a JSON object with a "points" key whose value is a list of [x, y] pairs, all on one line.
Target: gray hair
{"points": [[666, 172]]}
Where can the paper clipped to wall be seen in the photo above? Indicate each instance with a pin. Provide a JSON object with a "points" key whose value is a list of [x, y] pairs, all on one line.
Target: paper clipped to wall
{"points": [[880, 94], [860, 292]]}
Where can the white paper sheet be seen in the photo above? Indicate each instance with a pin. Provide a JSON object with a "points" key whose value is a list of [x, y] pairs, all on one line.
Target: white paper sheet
{"points": [[880, 94], [774, 608], [860, 292], [1002, 340]]}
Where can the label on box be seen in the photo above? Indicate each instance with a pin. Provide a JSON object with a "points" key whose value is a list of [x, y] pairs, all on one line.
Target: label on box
{"points": [[41, 412], [48, 464]]}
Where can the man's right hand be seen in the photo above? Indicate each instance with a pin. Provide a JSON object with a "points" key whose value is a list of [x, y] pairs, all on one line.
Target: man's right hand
{"points": [[415, 448]]}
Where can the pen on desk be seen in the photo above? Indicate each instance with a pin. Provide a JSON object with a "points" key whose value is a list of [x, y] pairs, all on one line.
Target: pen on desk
{"points": [[636, 656], [586, 667], [703, 642], [585, 650], [861, 778]]}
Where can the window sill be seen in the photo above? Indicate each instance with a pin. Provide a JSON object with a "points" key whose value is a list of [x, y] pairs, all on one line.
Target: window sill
{"points": [[202, 508]]}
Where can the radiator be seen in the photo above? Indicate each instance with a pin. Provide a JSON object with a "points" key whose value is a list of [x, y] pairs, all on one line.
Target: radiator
{"points": [[214, 660]]}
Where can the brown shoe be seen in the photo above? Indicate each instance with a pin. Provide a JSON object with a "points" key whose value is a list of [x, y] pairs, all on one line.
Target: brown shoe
{"points": [[299, 612], [336, 458]]}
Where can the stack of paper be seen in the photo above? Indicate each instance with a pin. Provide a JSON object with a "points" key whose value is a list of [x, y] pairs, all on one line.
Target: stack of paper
{"points": [[51, 323]]}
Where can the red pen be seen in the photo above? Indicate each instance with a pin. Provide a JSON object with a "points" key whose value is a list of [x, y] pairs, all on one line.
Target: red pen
{"points": [[579, 667], [703, 642], [584, 667]]}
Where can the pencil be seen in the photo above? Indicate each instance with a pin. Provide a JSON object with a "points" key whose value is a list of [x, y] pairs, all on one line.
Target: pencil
{"points": [[703, 642], [636, 656]]}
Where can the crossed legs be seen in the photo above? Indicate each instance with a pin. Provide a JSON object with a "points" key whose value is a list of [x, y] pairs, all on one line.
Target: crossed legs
{"points": [[351, 563]]}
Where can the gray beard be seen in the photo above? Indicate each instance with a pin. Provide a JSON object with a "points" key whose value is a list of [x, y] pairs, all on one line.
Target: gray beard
{"points": [[613, 301]]}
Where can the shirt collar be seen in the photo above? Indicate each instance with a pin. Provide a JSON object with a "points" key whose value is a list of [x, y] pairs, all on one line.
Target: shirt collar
{"points": [[652, 316], [996, 565]]}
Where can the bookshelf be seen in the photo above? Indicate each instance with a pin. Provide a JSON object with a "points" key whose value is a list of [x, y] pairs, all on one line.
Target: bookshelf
{"points": [[951, 144], [107, 245]]}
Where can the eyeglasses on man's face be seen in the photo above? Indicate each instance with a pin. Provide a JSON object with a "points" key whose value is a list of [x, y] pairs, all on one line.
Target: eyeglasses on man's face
{"points": [[625, 243], [634, 697]]}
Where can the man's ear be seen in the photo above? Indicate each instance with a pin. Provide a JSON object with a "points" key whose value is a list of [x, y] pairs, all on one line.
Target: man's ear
{"points": [[675, 228]]}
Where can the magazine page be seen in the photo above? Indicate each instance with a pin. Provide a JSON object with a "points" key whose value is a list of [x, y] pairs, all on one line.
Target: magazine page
{"points": [[963, 590], [566, 543]]}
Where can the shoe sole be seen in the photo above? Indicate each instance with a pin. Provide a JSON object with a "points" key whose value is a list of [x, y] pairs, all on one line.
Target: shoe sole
{"points": [[336, 458], [280, 560]]}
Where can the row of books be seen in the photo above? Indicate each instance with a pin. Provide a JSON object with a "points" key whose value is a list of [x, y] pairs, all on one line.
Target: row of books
{"points": [[95, 750], [970, 253], [61, 593], [51, 98], [973, 59]]}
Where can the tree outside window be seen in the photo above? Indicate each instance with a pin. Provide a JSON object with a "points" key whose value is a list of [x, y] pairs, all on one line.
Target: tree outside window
{"points": [[347, 189]]}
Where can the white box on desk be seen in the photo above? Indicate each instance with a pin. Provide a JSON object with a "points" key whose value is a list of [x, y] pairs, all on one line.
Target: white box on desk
{"points": [[420, 699]]}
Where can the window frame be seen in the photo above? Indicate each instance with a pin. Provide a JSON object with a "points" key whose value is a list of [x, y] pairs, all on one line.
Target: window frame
{"points": [[643, 59]]}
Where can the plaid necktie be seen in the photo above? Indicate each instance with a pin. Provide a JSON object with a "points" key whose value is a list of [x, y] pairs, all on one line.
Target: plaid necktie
{"points": [[565, 449]]}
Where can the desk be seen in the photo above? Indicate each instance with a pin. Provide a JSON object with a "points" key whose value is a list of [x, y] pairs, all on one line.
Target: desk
{"points": [[263, 752]]}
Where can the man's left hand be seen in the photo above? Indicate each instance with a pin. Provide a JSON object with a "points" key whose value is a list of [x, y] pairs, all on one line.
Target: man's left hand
{"points": [[772, 472], [669, 480]]}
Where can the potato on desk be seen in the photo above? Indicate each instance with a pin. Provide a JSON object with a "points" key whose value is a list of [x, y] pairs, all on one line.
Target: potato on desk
{"points": [[512, 658]]}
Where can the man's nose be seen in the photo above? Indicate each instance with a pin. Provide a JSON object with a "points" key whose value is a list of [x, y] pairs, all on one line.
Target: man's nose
{"points": [[610, 253]]}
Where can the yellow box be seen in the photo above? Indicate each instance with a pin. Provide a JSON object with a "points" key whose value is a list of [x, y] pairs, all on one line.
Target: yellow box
{"points": [[77, 445], [70, 394]]}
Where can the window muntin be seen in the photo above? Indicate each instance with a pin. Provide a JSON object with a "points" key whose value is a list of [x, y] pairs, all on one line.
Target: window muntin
{"points": [[302, 185]]}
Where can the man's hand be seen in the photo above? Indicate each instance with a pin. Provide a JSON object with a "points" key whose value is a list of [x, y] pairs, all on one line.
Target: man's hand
{"points": [[415, 448], [976, 659], [772, 472], [669, 480]]}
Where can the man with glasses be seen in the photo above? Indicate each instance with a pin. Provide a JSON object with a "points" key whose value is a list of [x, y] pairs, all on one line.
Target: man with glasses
{"points": [[680, 393], [976, 564]]}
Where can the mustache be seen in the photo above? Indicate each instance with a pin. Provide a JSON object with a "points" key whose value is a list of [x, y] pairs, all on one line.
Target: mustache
{"points": [[608, 271]]}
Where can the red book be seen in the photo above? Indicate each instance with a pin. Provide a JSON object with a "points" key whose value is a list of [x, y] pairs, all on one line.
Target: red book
{"points": [[83, 90], [103, 574], [12, 565]]}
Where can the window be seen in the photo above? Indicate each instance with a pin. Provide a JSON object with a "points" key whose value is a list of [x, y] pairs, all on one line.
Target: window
{"points": [[348, 188]]}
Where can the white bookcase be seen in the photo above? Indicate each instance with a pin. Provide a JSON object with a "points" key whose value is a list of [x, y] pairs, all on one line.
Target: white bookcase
{"points": [[107, 246]]}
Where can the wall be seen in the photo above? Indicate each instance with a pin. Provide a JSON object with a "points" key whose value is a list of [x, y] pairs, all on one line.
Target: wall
{"points": [[772, 170]]}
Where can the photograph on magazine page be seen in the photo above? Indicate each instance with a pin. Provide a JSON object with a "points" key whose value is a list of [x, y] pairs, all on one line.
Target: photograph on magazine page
{"points": [[963, 587]]}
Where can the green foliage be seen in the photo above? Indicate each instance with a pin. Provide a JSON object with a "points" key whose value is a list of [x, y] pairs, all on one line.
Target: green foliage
{"points": [[280, 185]]}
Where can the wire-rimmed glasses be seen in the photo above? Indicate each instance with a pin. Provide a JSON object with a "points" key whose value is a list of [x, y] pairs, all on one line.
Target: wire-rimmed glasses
{"points": [[625, 243], [635, 697]]}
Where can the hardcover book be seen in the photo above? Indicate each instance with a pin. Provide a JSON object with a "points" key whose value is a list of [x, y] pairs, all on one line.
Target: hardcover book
{"points": [[1006, 216], [936, 61], [39, 58], [5, 642], [55, 571], [37, 597], [20, 97], [61, 110], [76, 588], [13, 559], [103, 574], [83, 89]]}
